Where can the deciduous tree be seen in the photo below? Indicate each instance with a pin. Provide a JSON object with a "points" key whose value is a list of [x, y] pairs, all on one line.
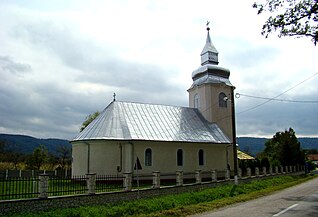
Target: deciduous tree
{"points": [[284, 148], [63, 156], [290, 18], [88, 120], [38, 158]]}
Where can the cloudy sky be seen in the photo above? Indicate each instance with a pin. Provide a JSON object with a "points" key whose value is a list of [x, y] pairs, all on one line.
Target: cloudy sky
{"points": [[62, 60]]}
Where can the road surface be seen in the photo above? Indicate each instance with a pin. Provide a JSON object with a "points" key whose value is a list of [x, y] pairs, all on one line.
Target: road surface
{"points": [[300, 200]]}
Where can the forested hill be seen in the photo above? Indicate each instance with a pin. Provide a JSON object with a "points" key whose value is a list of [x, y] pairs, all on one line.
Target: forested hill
{"points": [[26, 144], [254, 145]]}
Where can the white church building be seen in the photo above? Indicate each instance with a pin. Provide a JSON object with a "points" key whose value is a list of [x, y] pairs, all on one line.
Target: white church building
{"points": [[161, 137]]}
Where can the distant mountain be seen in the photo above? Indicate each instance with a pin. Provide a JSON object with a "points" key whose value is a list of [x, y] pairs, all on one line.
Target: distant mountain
{"points": [[254, 145], [26, 144]]}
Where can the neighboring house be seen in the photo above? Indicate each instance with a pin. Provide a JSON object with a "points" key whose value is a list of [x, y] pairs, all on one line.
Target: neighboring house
{"points": [[243, 156], [313, 158], [161, 137]]}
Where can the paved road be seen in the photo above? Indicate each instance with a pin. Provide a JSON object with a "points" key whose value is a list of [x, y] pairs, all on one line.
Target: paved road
{"points": [[301, 200]]}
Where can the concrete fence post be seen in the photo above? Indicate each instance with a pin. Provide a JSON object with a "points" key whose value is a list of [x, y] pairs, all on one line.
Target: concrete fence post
{"points": [[43, 186], [256, 171], [248, 172], [227, 174], [276, 170], [270, 170], [214, 176], [179, 178], [127, 181], [286, 169], [264, 171], [239, 173], [198, 176], [91, 183], [291, 169], [156, 179], [281, 169]]}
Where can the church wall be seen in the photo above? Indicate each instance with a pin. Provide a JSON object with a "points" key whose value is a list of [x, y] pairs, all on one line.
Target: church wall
{"points": [[104, 157], [165, 156], [111, 157], [79, 158]]}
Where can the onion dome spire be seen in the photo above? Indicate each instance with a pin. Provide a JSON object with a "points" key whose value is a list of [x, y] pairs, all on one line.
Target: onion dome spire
{"points": [[209, 54]]}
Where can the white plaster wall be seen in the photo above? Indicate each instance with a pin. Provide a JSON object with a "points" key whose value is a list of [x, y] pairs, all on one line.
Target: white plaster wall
{"points": [[105, 157], [79, 158], [165, 156]]}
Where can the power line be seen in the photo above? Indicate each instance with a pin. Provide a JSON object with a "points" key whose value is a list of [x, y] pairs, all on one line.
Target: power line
{"points": [[270, 99], [238, 95]]}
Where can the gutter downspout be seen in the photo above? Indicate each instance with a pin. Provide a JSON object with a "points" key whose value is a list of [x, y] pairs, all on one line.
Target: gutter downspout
{"points": [[120, 167], [88, 156]]}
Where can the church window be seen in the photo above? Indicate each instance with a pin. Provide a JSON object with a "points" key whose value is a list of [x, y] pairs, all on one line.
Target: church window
{"points": [[196, 100], [180, 157], [148, 157], [201, 157], [223, 100]]}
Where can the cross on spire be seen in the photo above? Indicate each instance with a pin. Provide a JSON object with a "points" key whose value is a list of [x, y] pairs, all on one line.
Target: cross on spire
{"points": [[209, 54], [114, 95], [207, 25]]}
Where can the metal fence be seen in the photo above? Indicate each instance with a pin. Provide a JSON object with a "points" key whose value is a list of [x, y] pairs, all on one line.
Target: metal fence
{"points": [[28, 187], [108, 183], [18, 188], [58, 186]]}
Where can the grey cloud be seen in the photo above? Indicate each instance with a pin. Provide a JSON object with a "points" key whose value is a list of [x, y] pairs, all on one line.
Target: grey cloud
{"points": [[251, 56], [46, 108], [95, 63], [277, 116], [8, 65]]}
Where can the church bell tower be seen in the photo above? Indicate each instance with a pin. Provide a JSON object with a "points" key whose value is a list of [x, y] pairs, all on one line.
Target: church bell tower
{"points": [[211, 90]]}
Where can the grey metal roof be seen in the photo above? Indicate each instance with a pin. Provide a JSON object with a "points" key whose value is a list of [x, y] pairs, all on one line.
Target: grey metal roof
{"points": [[211, 74], [137, 121], [209, 46]]}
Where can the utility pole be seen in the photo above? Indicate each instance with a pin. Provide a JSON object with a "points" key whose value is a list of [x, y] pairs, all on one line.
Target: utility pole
{"points": [[234, 138]]}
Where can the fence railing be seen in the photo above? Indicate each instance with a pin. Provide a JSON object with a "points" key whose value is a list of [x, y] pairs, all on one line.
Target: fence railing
{"points": [[46, 186], [18, 188], [34, 173]]}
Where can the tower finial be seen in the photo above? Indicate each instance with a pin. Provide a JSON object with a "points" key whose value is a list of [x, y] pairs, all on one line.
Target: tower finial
{"points": [[207, 25], [114, 95]]}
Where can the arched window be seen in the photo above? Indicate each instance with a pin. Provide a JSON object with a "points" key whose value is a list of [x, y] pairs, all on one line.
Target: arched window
{"points": [[148, 157], [180, 157], [222, 100], [196, 100], [201, 157]]}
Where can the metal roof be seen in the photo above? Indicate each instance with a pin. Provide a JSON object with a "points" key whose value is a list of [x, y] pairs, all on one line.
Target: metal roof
{"points": [[211, 74], [138, 121], [243, 156]]}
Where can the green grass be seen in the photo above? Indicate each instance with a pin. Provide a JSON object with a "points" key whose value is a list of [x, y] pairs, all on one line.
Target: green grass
{"points": [[183, 204]]}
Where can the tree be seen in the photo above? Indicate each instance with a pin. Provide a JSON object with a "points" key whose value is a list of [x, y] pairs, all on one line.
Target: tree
{"points": [[291, 18], [63, 156], [88, 120], [284, 148], [38, 158]]}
